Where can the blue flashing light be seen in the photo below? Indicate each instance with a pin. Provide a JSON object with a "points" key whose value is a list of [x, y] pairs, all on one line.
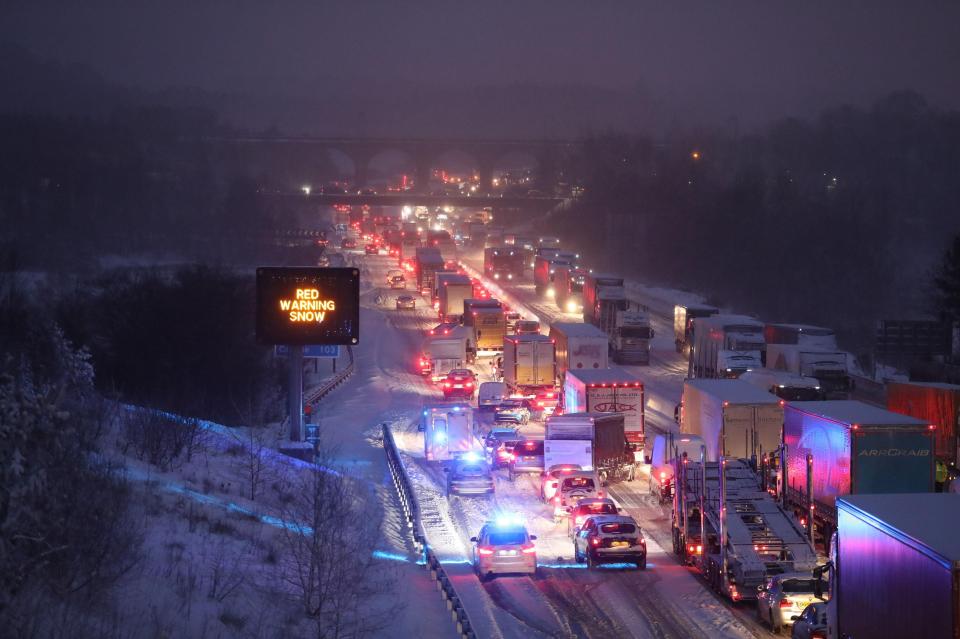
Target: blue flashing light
{"points": [[456, 408], [471, 456], [507, 520], [440, 437]]}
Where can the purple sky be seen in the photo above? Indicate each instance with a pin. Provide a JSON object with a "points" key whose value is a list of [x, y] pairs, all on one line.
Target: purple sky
{"points": [[752, 59]]}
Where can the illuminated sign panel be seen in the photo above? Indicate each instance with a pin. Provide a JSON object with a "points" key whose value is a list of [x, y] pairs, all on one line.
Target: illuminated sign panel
{"points": [[305, 305]]}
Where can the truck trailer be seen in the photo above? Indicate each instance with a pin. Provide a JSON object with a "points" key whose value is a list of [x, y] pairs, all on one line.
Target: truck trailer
{"points": [[802, 334], [844, 447], [736, 419], [568, 288], [611, 390], [595, 441], [452, 289], [579, 346], [503, 263], [631, 337], [446, 352], [428, 262], [894, 568], [447, 432], [544, 272], [683, 316], [725, 346], [937, 404], [529, 363]]}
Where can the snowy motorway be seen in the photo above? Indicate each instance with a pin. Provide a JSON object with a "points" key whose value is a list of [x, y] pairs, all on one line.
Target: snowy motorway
{"points": [[665, 600]]}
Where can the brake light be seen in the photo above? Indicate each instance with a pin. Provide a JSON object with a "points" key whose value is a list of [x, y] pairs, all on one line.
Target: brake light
{"points": [[818, 634], [485, 551], [556, 499], [469, 384], [663, 475], [595, 541], [599, 493], [446, 384], [785, 603], [529, 549]]}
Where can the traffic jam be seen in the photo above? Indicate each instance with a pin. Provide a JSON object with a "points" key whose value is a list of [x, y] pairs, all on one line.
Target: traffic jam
{"points": [[535, 424]]}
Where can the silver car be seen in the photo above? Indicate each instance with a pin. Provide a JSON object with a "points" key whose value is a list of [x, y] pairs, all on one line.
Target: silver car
{"points": [[783, 597], [469, 475], [527, 457], [504, 547]]}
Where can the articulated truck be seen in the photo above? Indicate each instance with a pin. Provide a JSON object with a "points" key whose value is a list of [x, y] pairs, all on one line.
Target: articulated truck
{"points": [[725, 346], [894, 568], [529, 363], [452, 290], [844, 447], [503, 263], [683, 316], [829, 367], [611, 390], [579, 346], [593, 441]]}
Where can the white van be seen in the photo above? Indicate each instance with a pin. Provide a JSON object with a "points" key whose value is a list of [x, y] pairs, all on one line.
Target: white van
{"points": [[490, 395]]}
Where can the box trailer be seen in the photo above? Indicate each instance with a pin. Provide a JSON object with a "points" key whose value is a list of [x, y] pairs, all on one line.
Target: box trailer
{"points": [[894, 568], [735, 418], [725, 346], [453, 289], [802, 334], [603, 432], [579, 346], [568, 289], [447, 432], [428, 262], [611, 390], [446, 352], [683, 316], [854, 448], [827, 366], [937, 404], [529, 363]]}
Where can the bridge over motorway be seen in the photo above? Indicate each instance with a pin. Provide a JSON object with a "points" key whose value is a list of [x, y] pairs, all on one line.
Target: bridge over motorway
{"points": [[423, 153], [409, 198]]}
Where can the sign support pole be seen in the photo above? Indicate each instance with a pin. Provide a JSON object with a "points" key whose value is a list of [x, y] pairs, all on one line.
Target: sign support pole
{"points": [[295, 361]]}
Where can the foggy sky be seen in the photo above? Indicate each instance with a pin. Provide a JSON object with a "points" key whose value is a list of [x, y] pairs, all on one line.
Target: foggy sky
{"points": [[711, 59]]}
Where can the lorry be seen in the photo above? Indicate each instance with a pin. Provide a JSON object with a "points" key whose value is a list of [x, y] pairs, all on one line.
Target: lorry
{"points": [[725, 346], [683, 316], [568, 288], [786, 386], [844, 447], [487, 323], [428, 262], [503, 263], [453, 289], [829, 367], [732, 530], [603, 296], [579, 346], [446, 352], [736, 419], [937, 404], [894, 567], [594, 441], [544, 272], [529, 363], [447, 432], [630, 339], [610, 390], [666, 448], [801, 334], [442, 241]]}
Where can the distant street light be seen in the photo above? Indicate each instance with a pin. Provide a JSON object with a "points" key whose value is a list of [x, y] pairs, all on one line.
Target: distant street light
{"points": [[695, 155], [306, 189]]}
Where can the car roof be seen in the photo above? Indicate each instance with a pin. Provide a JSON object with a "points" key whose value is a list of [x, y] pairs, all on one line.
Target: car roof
{"points": [[503, 431], [594, 501], [614, 519]]}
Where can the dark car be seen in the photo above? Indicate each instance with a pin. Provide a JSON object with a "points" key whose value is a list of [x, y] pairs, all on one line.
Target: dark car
{"points": [[348, 243], [371, 249], [527, 458], [460, 382], [610, 538], [469, 475]]}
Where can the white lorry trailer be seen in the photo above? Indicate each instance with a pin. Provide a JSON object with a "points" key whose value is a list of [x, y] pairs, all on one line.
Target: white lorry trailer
{"points": [[579, 346], [736, 419], [611, 390], [446, 352], [594, 441], [529, 363]]}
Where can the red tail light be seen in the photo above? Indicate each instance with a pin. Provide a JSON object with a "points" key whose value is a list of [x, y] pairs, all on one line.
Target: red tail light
{"points": [[485, 551], [818, 634], [529, 549], [785, 603], [595, 541], [599, 493], [446, 384]]}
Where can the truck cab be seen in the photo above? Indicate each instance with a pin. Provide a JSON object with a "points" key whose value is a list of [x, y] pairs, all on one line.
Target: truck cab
{"points": [[630, 341]]}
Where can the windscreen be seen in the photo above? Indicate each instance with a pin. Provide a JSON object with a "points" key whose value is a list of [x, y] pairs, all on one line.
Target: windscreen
{"points": [[618, 529], [571, 483], [471, 470], [802, 585], [507, 537]]}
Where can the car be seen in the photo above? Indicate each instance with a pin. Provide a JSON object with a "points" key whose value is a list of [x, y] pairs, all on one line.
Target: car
{"points": [[494, 439], [469, 475], [443, 329], [512, 410], [323, 260], [527, 327], [424, 364], [371, 249], [544, 403], [550, 479], [588, 508], [610, 538], [574, 486], [812, 622], [460, 382], [398, 282], [527, 458], [406, 301], [348, 243], [393, 273], [512, 318], [504, 546], [783, 597], [490, 395]]}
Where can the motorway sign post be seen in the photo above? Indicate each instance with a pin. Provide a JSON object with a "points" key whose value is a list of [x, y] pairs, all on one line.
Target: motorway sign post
{"points": [[307, 309]]}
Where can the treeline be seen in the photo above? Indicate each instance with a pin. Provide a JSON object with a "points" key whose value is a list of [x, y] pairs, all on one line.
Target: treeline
{"points": [[141, 181], [837, 221]]}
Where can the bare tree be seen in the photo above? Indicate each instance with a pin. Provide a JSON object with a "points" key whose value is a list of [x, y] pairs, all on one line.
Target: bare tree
{"points": [[331, 530]]}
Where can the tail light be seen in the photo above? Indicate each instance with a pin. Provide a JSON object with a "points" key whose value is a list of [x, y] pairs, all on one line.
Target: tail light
{"points": [[485, 551], [529, 549], [595, 541], [469, 384], [446, 384], [785, 603], [818, 634], [599, 493]]}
